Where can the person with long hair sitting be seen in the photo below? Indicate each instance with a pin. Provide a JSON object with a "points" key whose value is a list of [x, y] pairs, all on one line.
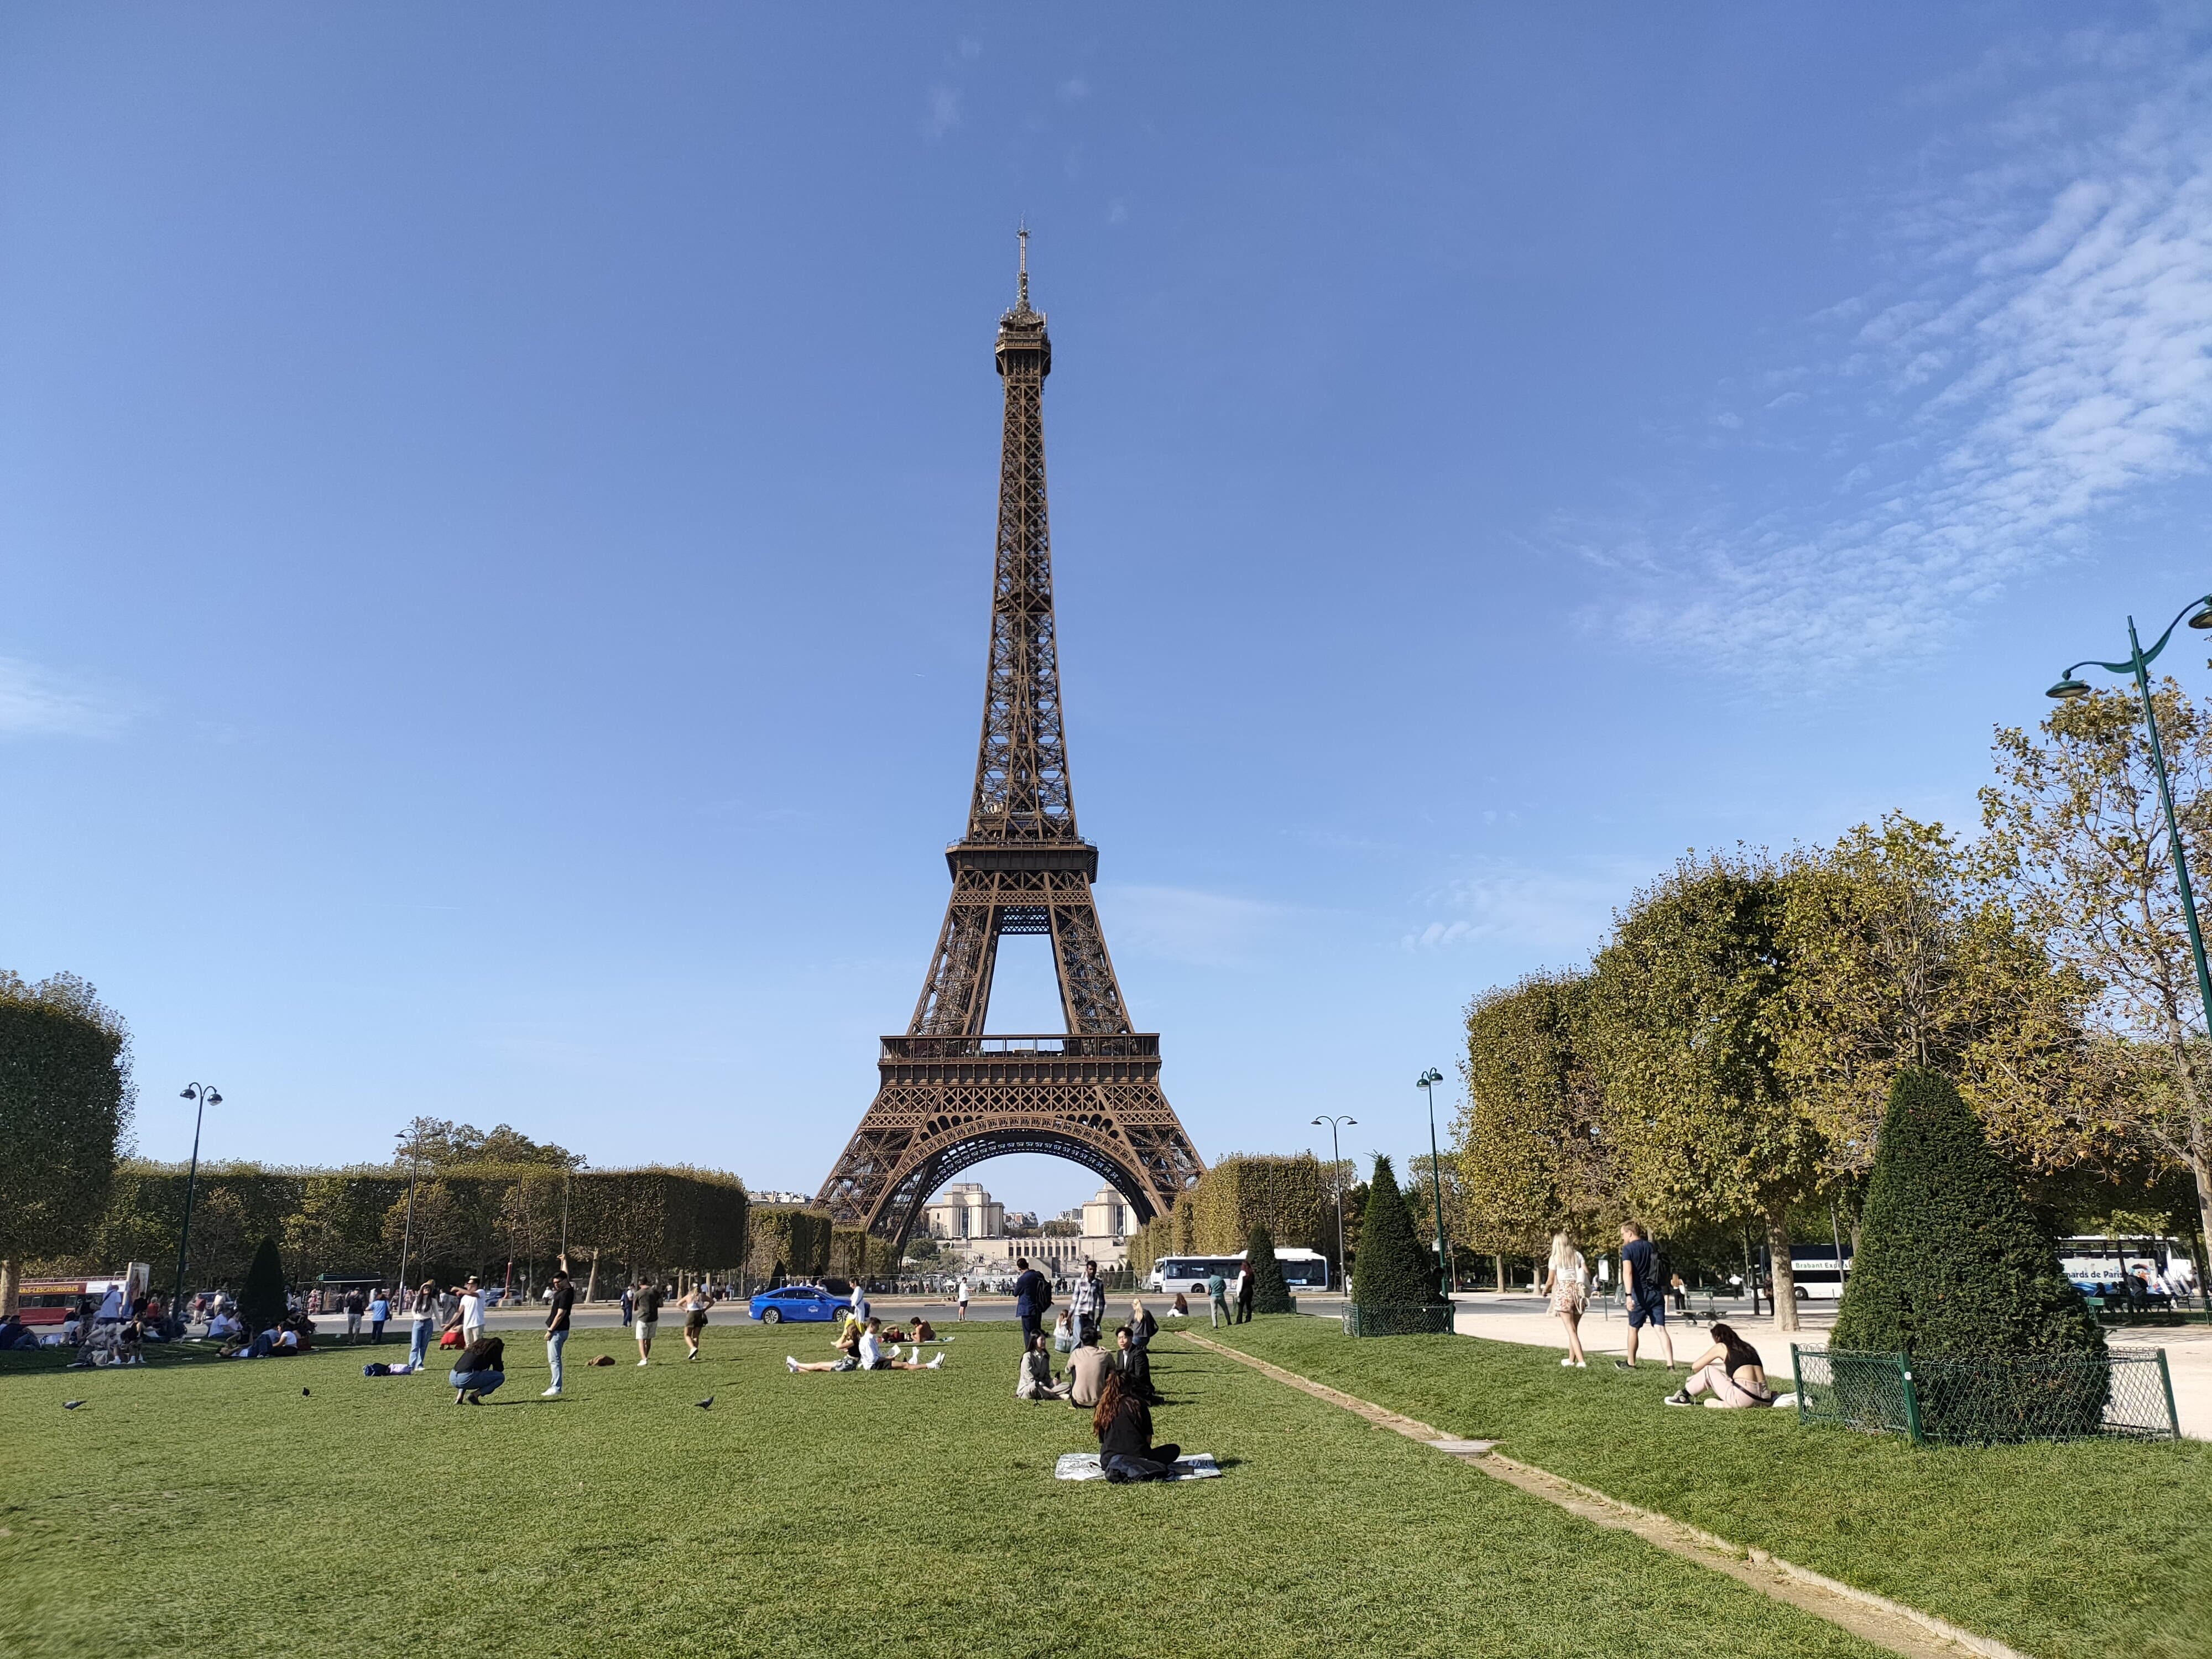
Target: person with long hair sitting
{"points": [[1123, 1424], [1035, 1381], [1730, 1370]]}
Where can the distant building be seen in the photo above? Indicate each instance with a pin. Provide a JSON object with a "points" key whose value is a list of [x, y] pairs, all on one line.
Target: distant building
{"points": [[963, 1211], [1105, 1222]]}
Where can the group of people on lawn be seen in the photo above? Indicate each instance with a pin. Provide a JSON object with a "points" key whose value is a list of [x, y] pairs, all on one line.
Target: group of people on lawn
{"points": [[1729, 1372], [1116, 1385]]}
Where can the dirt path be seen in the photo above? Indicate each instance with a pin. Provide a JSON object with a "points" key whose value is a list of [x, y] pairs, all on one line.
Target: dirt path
{"points": [[1888, 1625]]}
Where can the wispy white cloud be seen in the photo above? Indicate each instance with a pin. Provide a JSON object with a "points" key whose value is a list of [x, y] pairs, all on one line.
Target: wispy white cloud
{"points": [[2044, 358], [1568, 911], [34, 704]]}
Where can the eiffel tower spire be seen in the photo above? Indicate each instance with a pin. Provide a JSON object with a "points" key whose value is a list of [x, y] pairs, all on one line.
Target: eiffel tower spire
{"points": [[949, 1096]]}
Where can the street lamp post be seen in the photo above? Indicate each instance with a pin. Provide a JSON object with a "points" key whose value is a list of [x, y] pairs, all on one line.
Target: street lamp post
{"points": [[407, 1228], [202, 1099], [2138, 664], [1336, 1158], [1446, 1279]]}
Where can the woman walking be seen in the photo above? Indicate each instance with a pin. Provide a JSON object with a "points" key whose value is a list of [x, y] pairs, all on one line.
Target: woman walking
{"points": [[695, 1308], [1567, 1283], [963, 1298]]}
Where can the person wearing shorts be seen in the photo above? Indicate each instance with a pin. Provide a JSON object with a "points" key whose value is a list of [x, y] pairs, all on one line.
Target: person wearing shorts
{"points": [[646, 1308], [695, 1318], [1645, 1296]]}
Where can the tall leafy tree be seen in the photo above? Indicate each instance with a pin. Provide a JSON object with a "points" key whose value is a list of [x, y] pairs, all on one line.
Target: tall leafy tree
{"points": [[261, 1297], [1271, 1293], [2073, 828], [1899, 959], [65, 1101], [1531, 1153], [1683, 1019]]}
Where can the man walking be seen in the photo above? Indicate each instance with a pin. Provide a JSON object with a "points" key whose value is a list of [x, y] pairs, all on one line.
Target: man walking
{"points": [[963, 1298], [1087, 1303], [1217, 1299], [629, 1301], [1247, 1283], [1032, 1295], [1643, 1290], [380, 1310], [355, 1303], [556, 1326], [645, 1305]]}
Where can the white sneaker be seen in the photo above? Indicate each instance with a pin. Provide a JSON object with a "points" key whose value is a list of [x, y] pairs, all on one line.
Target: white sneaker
{"points": [[1582, 1365], [549, 1393], [791, 1362], [641, 1362], [1568, 1362], [934, 1363]]}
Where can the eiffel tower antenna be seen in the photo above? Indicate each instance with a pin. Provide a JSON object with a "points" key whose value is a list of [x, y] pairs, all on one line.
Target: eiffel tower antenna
{"points": [[948, 1096]]}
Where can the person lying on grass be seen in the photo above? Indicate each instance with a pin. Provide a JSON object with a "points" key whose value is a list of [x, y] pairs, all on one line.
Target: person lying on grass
{"points": [[1123, 1424], [1730, 1370], [481, 1368], [868, 1355]]}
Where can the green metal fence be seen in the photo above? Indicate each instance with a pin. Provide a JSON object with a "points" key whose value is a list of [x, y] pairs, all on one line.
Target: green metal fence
{"points": [[1391, 1319], [2127, 1395]]}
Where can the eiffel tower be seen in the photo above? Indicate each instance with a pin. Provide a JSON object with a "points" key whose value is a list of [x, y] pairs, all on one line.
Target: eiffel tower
{"points": [[949, 1096]]}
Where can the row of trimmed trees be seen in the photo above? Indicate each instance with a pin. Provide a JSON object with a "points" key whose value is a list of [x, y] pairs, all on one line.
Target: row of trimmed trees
{"points": [[1723, 1065]]}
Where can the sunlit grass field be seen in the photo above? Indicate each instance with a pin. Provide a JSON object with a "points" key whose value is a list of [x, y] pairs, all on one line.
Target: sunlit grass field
{"points": [[2065, 1552], [198, 1506]]}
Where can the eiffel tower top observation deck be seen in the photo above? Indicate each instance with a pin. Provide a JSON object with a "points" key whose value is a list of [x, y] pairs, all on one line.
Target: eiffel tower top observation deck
{"points": [[949, 1097]]}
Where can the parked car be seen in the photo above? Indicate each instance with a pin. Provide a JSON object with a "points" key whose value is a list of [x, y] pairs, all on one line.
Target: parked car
{"points": [[796, 1302]]}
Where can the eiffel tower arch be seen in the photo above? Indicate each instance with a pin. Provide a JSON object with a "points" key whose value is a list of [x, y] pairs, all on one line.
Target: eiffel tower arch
{"points": [[948, 1096]]}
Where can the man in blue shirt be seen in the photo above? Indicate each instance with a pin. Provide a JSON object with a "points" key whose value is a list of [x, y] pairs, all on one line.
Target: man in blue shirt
{"points": [[1641, 1289], [1032, 1295]]}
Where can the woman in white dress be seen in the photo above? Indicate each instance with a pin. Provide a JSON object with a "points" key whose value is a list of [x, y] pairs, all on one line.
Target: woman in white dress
{"points": [[1567, 1285]]}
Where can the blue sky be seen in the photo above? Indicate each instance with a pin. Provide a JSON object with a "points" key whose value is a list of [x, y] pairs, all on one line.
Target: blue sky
{"points": [[496, 506]]}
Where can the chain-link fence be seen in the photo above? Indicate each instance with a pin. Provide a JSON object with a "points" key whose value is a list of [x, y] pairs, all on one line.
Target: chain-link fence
{"points": [[2126, 1395], [1393, 1319]]}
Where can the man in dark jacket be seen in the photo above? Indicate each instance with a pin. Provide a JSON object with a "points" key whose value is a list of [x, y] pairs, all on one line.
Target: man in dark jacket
{"points": [[1032, 1295]]}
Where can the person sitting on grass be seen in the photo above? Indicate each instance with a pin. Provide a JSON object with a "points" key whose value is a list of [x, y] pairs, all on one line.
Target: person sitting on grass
{"points": [[1130, 1362], [1730, 1370], [1123, 1424], [481, 1368], [1034, 1380], [1087, 1369], [869, 1356], [923, 1331]]}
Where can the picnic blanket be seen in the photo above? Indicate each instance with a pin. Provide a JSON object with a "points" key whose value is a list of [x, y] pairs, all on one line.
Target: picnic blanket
{"points": [[1083, 1466]]}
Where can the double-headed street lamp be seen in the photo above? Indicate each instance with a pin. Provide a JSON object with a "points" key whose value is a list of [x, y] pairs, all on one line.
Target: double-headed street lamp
{"points": [[1336, 1157], [2138, 664], [407, 1227], [203, 1098], [1447, 1281]]}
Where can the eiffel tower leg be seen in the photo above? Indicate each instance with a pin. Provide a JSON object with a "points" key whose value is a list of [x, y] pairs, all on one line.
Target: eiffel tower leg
{"points": [[1088, 990], [958, 992]]}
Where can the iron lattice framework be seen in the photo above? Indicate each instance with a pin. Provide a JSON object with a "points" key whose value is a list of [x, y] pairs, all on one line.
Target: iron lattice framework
{"points": [[949, 1096]]}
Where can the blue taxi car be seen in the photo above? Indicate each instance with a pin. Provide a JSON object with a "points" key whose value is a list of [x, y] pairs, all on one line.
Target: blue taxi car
{"points": [[796, 1302]]}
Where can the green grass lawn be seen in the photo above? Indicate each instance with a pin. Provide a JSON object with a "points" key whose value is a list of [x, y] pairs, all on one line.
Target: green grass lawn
{"points": [[197, 1506], [2063, 1551]]}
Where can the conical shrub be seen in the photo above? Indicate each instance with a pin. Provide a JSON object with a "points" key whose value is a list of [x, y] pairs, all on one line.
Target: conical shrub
{"points": [[261, 1297], [1271, 1293], [1954, 1272], [1390, 1272], [1951, 1261]]}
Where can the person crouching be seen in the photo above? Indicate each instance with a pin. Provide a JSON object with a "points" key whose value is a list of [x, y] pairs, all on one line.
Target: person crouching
{"points": [[481, 1368]]}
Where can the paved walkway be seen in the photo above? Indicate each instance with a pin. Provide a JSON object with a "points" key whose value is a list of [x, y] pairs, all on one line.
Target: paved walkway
{"points": [[1516, 1316]]}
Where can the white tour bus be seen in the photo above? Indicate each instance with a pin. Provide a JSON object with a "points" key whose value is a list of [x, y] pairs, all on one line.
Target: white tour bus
{"points": [[1302, 1270]]}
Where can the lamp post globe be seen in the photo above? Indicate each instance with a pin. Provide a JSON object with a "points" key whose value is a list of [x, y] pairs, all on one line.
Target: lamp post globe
{"points": [[1336, 1158], [200, 1099]]}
